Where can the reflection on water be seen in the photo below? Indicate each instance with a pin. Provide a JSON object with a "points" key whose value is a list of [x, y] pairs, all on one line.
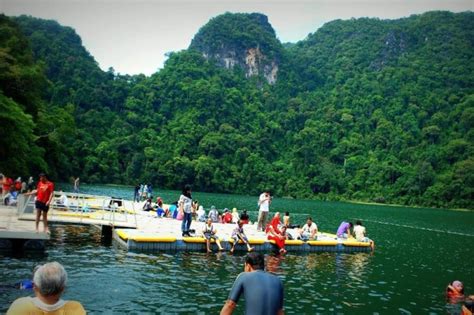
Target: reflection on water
{"points": [[407, 274], [105, 277]]}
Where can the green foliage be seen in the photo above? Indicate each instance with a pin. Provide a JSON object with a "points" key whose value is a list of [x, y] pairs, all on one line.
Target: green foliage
{"points": [[363, 109], [237, 31], [18, 149]]}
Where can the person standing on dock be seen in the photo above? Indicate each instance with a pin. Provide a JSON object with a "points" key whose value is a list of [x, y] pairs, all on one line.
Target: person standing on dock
{"points": [[76, 185], [31, 184], [44, 195], [186, 207], [263, 291], [136, 193], [263, 208]]}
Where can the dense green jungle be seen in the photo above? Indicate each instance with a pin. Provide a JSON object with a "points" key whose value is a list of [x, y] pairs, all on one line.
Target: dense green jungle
{"points": [[362, 109]]}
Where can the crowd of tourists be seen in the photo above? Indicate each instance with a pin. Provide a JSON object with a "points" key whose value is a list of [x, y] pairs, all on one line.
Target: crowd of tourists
{"points": [[187, 209], [263, 292], [10, 189], [43, 192]]}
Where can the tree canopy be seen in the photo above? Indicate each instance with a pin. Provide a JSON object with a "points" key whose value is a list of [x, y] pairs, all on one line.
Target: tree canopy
{"points": [[363, 109]]}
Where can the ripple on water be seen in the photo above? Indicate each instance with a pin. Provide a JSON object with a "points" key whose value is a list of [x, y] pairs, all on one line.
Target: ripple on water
{"points": [[108, 278]]}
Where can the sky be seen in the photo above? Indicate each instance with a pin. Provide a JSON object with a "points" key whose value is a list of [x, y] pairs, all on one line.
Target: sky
{"points": [[133, 36]]}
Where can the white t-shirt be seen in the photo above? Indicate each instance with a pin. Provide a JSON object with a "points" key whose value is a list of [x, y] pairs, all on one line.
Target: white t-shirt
{"points": [[309, 229], [264, 203], [63, 201], [359, 232], [235, 217], [187, 203], [201, 213]]}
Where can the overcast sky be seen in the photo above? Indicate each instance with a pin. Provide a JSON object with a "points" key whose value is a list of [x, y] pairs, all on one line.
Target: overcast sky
{"points": [[132, 36]]}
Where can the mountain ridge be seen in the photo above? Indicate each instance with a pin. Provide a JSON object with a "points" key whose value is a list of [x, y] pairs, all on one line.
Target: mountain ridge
{"points": [[362, 109]]}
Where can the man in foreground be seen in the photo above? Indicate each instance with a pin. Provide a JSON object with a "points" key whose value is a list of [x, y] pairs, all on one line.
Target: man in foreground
{"points": [[49, 282], [263, 291]]}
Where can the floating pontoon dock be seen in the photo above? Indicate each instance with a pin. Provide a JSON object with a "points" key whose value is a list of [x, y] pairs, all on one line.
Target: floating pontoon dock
{"points": [[162, 234], [137, 230]]}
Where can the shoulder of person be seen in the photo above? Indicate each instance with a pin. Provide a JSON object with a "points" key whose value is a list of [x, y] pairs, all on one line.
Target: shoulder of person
{"points": [[74, 307], [23, 305]]}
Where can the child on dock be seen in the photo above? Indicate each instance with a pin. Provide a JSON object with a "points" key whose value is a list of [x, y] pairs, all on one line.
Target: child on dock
{"points": [[239, 235], [209, 233]]}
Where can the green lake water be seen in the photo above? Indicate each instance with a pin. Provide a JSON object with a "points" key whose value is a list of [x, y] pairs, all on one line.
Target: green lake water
{"points": [[418, 251]]}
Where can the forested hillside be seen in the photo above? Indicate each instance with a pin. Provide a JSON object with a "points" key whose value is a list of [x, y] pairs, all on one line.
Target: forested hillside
{"points": [[363, 109]]}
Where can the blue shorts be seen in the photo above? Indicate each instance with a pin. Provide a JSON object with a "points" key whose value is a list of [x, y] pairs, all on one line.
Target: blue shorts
{"points": [[209, 236]]}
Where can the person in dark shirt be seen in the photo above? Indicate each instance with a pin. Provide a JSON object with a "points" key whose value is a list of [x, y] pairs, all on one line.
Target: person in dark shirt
{"points": [[244, 217], [136, 193], [263, 291]]}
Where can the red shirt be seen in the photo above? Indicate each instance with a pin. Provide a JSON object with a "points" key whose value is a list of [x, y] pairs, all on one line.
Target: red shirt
{"points": [[45, 190], [7, 182], [275, 222], [227, 217]]}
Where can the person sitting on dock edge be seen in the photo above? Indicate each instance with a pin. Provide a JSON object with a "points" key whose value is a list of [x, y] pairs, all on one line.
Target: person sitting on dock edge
{"points": [[360, 234], [239, 235], [263, 292], [209, 233], [49, 283], [273, 233]]}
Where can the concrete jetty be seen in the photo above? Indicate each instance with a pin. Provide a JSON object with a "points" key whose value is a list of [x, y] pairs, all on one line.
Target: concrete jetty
{"points": [[18, 234], [17, 227]]}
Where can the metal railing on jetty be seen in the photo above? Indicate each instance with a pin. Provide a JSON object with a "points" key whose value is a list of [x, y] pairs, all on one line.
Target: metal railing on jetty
{"points": [[82, 209]]}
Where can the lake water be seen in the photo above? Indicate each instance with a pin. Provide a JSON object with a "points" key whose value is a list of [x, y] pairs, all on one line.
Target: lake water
{"points": [[418, 251]]}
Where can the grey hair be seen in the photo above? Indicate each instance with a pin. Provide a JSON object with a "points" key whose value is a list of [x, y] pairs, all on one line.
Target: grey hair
{"points": [[50, 279]]}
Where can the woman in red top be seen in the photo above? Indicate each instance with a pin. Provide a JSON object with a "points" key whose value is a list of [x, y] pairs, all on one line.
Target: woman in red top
{"points": [[274, 233], [44, 195]]}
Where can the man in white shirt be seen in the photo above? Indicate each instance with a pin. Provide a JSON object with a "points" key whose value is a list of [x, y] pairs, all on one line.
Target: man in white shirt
{"points": [[62, 201], [263, 208], [309, 230]]}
